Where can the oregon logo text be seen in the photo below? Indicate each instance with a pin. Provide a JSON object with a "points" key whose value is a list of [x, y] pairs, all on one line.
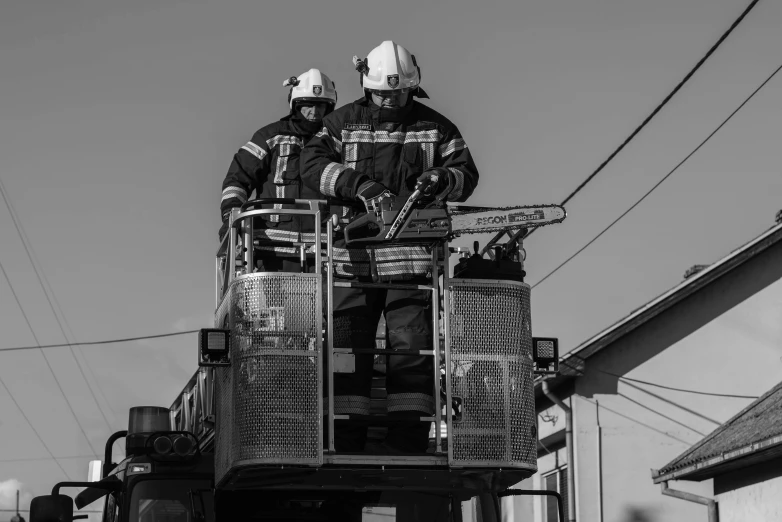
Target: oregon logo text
{"points": [[317, 90], [393, 80], [521, 216], [491, 220]]}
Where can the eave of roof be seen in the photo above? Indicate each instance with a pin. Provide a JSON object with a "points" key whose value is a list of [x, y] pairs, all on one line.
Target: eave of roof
{"points": [[710, 467], [661, 303], [715, 453]]}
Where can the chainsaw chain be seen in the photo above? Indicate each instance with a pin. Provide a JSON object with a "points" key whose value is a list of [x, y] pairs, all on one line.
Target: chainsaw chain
{"points": [[476, 210]]}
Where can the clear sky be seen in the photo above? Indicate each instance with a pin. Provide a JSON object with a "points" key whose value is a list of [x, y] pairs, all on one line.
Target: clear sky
{"points": [[118, 121]]}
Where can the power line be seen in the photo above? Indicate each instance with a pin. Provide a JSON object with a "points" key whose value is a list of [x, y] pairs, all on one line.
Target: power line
{"points": [[64, 318], [34, 459], [38, 345], [660, 106], [93, 343], [76, 512], [644, 406], [22, 238], [10, 395], [672, 403], [710, 394], [72, 336], [606, 229], [649, 408], [636, 421], [664, 102], [684, 390]]}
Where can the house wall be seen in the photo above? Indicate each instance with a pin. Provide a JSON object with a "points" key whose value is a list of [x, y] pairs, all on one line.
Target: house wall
{"points": [[737, 352], [761, 502], [629, 451], [519, 508]]}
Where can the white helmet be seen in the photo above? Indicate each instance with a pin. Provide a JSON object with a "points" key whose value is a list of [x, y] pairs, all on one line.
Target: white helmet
{"points": [[312, 86], [389, 67]]}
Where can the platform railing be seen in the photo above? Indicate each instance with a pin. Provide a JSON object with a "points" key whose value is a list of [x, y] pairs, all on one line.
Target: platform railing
{"points": [[230, 262]]}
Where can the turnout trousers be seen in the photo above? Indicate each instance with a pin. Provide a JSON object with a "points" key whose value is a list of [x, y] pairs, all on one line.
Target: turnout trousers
{"points": [[409, 378]]}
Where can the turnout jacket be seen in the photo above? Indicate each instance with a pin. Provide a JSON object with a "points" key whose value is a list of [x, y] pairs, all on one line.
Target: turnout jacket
{"points": [[360, 142], [269, 165]]}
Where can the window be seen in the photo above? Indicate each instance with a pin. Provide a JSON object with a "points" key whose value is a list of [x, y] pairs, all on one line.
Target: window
{"points": [[343, 506], [555, 481], [111, 509], [171, 501]]}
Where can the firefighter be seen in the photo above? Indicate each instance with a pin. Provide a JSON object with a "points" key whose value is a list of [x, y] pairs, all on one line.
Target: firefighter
{"points": [[269, 164], [386, 142]]}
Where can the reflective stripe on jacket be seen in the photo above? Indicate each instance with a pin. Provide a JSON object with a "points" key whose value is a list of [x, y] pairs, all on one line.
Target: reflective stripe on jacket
{"points": [[358, 143], [269, 165]]}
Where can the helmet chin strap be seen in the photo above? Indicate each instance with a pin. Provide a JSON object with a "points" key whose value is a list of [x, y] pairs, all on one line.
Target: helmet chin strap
{"points": [[420, 93]]}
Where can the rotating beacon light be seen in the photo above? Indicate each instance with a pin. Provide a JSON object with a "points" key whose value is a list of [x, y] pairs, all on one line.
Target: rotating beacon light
{"points": [[143, 421], [150, 433]]}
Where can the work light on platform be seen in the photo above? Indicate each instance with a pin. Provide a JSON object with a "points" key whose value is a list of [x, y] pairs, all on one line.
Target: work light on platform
{"points": [[214, 347], [545, 355]]}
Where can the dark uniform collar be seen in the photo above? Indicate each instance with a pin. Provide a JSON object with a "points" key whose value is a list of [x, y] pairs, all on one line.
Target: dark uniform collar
{"points": [[379, 115], [302, 125]]}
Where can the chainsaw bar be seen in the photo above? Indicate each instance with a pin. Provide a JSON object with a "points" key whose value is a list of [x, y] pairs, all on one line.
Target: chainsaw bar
{"points": [[477, 220]]}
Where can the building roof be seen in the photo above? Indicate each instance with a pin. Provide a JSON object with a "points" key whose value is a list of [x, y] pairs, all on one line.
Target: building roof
{"points": [[573, 362], [753, 435]]}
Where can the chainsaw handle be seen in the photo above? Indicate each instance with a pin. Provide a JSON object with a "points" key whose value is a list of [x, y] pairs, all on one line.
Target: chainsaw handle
{"points": [[367, 221]]}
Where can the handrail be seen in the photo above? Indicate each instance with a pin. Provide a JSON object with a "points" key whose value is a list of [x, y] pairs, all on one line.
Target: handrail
{"points": [[283, 201], [227, 256]]}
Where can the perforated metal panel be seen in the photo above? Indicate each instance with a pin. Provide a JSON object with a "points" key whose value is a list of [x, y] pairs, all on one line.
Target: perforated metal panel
{"points": [[491, 374], [269, 399]]}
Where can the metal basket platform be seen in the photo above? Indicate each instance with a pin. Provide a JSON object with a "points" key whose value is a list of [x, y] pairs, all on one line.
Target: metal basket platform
{"points": [[489, 360], [269, 399], [270, 402]]}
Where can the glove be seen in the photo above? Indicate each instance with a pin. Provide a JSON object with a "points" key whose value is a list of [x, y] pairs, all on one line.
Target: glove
{"points": [[429, 183], [372, 193]]}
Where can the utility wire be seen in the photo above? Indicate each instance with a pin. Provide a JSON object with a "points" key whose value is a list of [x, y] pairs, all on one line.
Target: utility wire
{"points": [[614, 222], [710, 394], [659, 107], [644, 406], [38, 435], [93, 343], [597, 404], [51, 370], [636, 421], [68, 328], [672, 403], [34, 459], [684, 390], [76, 512], [22, 237]]}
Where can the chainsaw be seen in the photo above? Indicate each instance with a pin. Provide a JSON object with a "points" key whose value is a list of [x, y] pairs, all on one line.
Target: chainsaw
{"points": [[392, 219]]}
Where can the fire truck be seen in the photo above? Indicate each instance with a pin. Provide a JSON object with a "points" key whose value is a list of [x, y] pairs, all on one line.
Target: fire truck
{"points": [[251, 435]]}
